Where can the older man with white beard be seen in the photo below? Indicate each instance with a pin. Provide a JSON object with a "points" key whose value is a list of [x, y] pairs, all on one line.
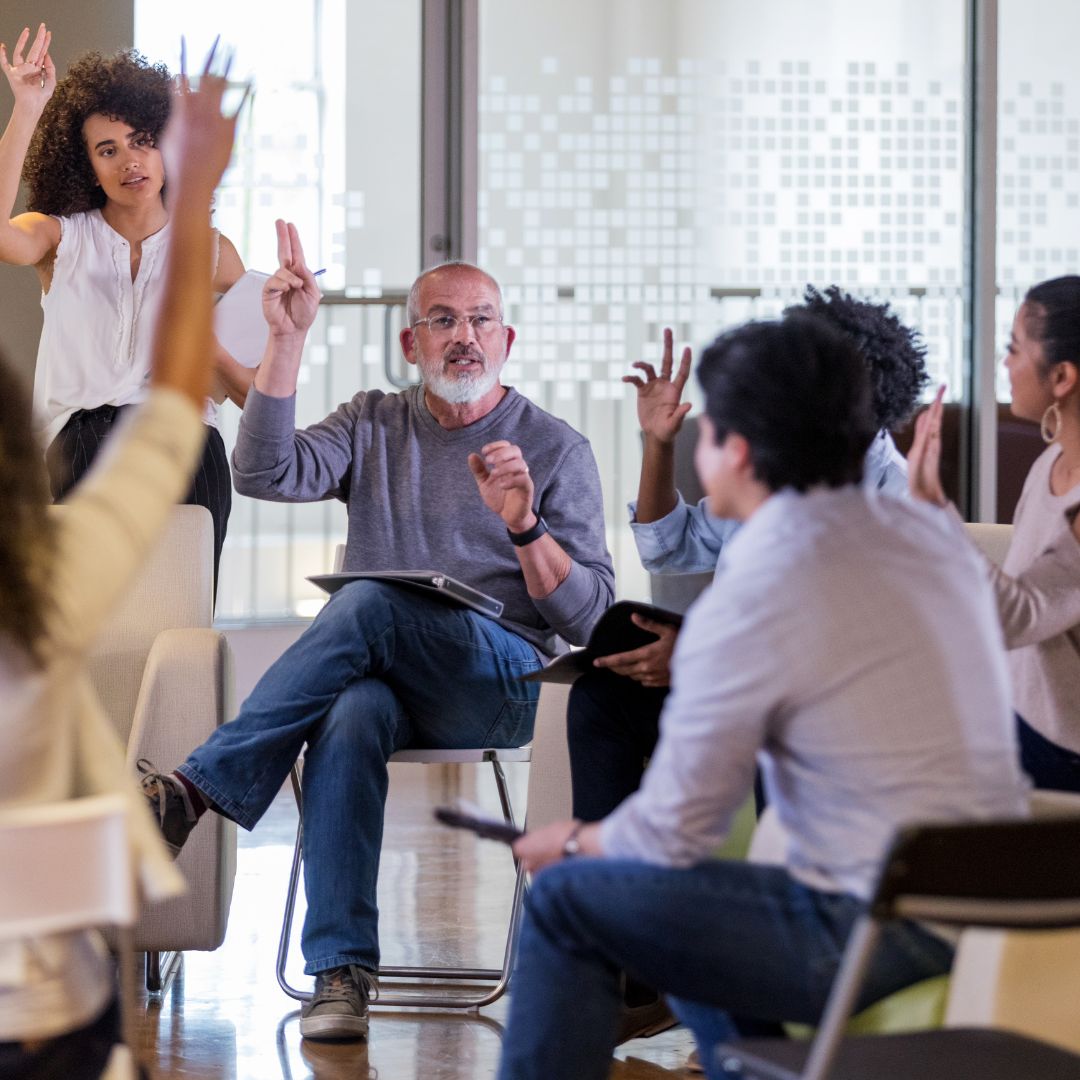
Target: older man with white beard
{"points": [[458, 474]]}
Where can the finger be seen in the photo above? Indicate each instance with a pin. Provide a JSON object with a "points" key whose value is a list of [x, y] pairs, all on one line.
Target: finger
{"points": [[508, 469], [282, 281], [230, 56], [506, 452], [300, 263], [284, 243], [652, 625], [491, 447], [667, 357], [210, 56], [633, 380], [16, 53], [650, 371], [622, 659], [243, 101], [183, 60], [477, 467], [684, 370], [37, 47]]}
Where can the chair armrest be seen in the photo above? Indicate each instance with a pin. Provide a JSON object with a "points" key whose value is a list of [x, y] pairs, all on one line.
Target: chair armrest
{"points": [[186, 693]]}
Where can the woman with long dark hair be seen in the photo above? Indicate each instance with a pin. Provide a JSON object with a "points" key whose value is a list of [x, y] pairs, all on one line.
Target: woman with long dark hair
{"points": [[1038, 584]]}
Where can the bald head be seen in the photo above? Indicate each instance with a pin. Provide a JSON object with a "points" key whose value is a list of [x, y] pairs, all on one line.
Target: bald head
{"points": [[413, 310]]}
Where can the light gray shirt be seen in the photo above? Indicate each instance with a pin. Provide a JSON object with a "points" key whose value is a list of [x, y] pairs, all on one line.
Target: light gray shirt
{"points": [[1038, 593], [851, 643], [413, 503], [688, 540]]}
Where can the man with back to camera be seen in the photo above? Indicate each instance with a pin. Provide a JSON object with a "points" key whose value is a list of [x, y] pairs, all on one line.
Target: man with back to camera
{"points": [[861, 724], [459, 474], [614, 711]]}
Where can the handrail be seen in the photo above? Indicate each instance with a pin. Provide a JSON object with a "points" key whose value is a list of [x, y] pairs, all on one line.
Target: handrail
{"points": [[389, 301]]}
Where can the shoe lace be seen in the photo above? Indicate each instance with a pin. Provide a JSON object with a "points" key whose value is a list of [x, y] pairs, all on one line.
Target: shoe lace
{"points": [[157, 786], [153, 786], [341, 983]]}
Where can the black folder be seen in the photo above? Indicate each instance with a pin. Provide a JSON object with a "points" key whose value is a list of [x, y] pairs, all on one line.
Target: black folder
{"points": [[614, 633]]}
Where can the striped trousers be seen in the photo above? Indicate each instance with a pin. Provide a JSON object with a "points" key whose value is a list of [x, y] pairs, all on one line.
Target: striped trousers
{"points": [[73, 451]]}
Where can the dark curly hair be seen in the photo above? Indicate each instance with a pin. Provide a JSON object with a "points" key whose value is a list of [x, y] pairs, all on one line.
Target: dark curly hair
{"points": [[26, 532], [125, 87], [894, 354], [797, 391]]}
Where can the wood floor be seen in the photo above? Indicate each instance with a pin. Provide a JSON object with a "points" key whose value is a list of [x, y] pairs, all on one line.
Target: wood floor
{"points": [[444, 897]]}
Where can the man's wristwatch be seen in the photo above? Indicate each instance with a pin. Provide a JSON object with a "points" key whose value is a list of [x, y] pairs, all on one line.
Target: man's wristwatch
{"points": [[529, 535], [572, 845]]}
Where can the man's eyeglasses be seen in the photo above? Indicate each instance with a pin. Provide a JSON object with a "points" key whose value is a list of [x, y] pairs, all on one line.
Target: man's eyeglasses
{"points": [[445, 325]]}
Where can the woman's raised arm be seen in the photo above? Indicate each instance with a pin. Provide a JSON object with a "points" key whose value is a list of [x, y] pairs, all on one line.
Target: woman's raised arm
{"points": [[28, 239]]}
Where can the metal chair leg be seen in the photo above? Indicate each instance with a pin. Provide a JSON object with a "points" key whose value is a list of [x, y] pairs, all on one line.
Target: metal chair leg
{"points": [[431, 981], [161, 969]]}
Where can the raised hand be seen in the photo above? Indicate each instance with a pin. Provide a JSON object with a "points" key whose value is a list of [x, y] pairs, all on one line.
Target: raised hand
{"points": [[659, 397], [924, 457], [291, 297], [32, 77], [503, 478], [197, 141]]}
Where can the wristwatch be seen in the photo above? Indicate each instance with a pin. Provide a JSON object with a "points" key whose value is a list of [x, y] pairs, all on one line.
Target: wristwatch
{"points": [[572, 845], [529, 535]]}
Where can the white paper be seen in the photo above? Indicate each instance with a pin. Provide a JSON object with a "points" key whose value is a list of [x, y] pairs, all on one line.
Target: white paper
{"points": [[238, 320]]}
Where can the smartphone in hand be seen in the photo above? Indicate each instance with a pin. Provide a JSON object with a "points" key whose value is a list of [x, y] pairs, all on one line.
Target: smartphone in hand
{"points": [[465, 816]]}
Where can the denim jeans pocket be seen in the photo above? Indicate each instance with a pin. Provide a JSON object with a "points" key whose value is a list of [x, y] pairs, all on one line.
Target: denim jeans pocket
{"points": [[514, 724]]}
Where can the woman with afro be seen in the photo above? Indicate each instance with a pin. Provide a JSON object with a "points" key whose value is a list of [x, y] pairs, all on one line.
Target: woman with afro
{"points": [[96, 232]]}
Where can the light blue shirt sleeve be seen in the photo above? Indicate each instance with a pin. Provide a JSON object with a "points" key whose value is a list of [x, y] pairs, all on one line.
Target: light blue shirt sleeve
{"points": [[885, 468], [686, 541]]}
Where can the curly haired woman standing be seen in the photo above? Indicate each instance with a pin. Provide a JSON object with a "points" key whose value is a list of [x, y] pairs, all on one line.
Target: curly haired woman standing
{"points": [[96, 232]]}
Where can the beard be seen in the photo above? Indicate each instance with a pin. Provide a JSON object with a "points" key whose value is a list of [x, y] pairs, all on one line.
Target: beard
{"points": [[459, 388]]}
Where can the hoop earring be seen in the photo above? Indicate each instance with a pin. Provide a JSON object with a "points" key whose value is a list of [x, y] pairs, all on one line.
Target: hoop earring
{"points": [[1050, 434]]}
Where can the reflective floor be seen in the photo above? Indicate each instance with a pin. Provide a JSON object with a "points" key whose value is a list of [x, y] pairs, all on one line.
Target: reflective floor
{"points": [[444, 899]]}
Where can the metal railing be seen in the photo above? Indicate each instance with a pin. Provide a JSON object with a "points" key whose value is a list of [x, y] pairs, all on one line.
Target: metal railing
{"points": [[272, 547]]}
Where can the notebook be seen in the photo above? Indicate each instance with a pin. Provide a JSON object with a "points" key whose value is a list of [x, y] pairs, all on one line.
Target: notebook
{"points": [[430, 582], [238, 319], [614, 633]]}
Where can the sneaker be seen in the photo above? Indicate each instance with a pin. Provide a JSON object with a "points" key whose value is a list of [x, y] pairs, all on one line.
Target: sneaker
{"points": [[339, 1007], [170, 804]]}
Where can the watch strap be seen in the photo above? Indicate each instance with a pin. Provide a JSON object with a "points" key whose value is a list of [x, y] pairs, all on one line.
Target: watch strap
{"points": [[529, 535]]}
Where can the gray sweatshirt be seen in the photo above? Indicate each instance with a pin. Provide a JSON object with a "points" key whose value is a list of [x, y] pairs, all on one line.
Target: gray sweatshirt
{"points": [[413, 503]]}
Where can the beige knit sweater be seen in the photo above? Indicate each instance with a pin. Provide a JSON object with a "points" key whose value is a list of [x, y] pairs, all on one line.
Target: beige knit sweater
{"points": [[56, 743]]}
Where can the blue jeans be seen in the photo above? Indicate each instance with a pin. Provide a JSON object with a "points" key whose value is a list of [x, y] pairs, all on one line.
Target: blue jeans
{"points": [[720, 938], [380, 668]]}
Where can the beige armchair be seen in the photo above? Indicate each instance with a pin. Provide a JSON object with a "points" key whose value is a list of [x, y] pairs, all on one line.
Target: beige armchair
{"points": [[165, 679]]}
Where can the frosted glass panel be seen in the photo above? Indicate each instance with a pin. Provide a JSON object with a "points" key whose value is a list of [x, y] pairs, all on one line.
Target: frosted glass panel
{"points": [[695, 163]]}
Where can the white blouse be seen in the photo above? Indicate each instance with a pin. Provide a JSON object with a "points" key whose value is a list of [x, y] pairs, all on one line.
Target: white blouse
{"points": [[97, 339]]}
